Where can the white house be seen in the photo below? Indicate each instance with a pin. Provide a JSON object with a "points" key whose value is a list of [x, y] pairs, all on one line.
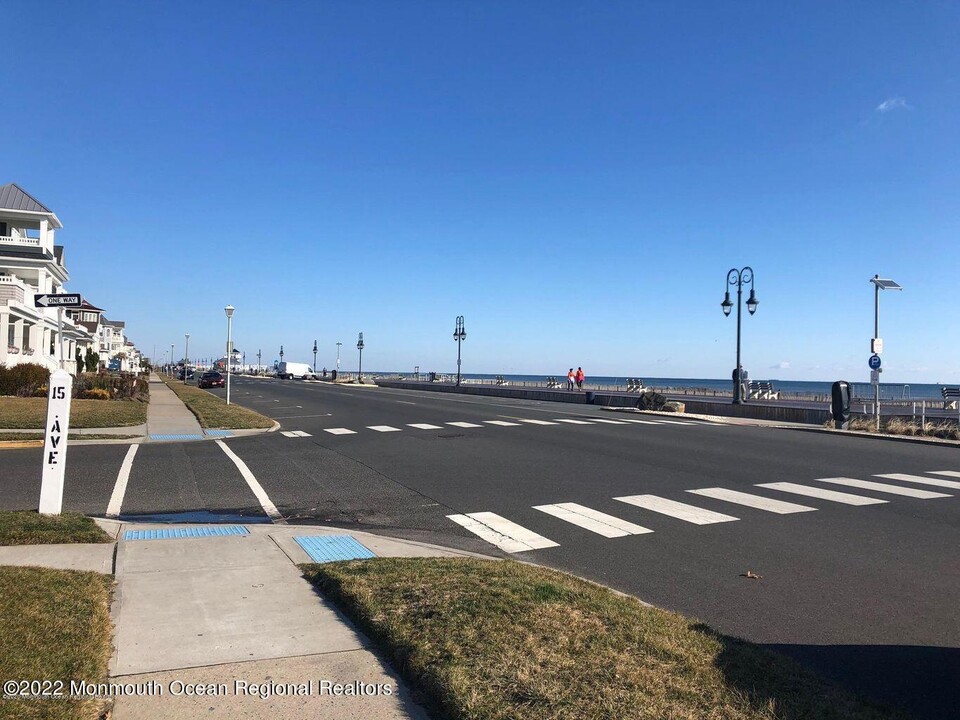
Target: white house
{"points": [[31, 263]]}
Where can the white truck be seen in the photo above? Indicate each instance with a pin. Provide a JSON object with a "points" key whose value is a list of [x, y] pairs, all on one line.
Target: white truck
{"points": [[290, 370]]}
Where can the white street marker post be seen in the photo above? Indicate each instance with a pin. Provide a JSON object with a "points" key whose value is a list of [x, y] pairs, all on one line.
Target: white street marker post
{"points": [[55, 442]]}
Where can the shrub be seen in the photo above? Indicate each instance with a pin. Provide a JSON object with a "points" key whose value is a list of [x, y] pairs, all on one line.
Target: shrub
{"points": [[95, 394], [23, 380], [125, 386]]}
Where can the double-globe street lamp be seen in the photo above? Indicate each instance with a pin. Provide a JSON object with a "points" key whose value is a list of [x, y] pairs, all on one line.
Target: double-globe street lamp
{"points": [[229, 311], [314, 357], [459, 334], [360, 366], [186, 357], [738, 278]]}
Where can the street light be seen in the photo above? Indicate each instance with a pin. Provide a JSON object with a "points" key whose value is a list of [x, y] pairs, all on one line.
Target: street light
{"points": [[314, 357], [876, 345], [338, 357], [229, 311], [258, 362], [360, 367], [171, 360], [738, 278], [186, 358], [459, 334]]}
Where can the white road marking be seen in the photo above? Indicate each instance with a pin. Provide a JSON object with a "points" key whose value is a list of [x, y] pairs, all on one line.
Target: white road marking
{"points": [[643, 422], [920, 479], [340, 431], [120, 488], [823, 493], [755, 501], [676, 422], [464, 424], [881, 487], [573, 422], [268, 507], [679, 510], [424, 426], [288, 433], [383, 428], [608, 422], [948, 473], [502, 423], [536, 422], [593, 520], [406, 402], [499, 531], [301, 433]]}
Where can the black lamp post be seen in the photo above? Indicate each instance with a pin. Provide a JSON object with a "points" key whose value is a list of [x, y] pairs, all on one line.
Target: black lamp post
{"points": [[360, 367], [281, 353], [459, 334], [738, 278], [314, 356], [258, 362]]}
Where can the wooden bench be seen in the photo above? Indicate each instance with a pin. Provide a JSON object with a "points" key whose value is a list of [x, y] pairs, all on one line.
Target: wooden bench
{"points": [[634, 385], [951, 396]]}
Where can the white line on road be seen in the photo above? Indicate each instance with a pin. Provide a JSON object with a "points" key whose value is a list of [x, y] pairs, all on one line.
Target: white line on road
{"points": [[268, 507], [679, 510], [499, 531], [383, 428], [120, 488], [755, 501], [340, 431], [920, 479], [823, 493], [464, 424], [881, 487], [948, 473], [643, 422], [301, 433], [424, 426], [608, 422], [535, 422], [571, 421], [593, 520], [502, 423]]}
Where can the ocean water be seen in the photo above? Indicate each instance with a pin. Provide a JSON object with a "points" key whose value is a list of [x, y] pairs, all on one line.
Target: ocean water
{"points": [[888, 391]]}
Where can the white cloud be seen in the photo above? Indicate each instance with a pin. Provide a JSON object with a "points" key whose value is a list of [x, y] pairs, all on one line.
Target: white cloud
{"points": [[782, 365], [893, 103]]}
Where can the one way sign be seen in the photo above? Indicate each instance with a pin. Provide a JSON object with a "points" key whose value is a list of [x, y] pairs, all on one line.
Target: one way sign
{"points": [[63, 300]]}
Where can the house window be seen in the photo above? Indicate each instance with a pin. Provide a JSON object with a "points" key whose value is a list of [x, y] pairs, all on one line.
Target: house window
{"points": [[53, 343], [3, 229]]}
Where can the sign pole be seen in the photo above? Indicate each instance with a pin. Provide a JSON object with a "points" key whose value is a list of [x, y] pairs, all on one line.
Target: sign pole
{"points": [[60, 335], [55, 442]]}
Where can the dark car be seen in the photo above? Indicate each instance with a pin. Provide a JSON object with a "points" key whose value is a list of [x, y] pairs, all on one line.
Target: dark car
{"points": [[189, 375], [211, 379]]}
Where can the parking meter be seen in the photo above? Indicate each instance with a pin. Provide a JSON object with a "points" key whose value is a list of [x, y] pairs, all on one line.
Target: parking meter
{"points": [[841, 404]]}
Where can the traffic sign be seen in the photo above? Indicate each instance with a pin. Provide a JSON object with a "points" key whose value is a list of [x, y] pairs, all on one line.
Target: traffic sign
{"points": [[61, 300], [874, 377], [874, 362], [876, 346]]}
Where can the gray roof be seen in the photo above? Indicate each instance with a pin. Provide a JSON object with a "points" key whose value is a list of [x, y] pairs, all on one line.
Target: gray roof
{"points": [[13, 197], [114, 323]]}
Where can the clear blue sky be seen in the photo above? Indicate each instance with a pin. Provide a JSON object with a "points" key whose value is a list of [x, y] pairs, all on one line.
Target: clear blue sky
{"points": [[574, 178]]}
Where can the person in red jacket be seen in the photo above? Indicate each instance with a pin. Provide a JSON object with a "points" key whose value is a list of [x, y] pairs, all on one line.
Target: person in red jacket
{"points": [[571, 379], [579, 377]]}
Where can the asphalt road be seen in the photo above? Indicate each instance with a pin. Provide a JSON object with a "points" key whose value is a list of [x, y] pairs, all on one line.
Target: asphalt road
{"points": [[866, 594]]}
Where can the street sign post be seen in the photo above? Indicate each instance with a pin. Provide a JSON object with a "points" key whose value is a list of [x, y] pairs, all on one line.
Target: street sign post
{"points": [[71, 300], [55, 442], [874, 362], [874, 377]]}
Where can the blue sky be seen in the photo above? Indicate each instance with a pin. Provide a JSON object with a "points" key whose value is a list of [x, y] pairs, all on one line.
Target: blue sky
{"points": [[574, 178]]}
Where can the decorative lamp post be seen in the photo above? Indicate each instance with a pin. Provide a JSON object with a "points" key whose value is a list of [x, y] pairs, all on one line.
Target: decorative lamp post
{"points": [[258, 362], [738, 278], [186, 357], [360, 367], [172, 366], [229, 311], [338, 357], [314, 357], [876, 345], [459, 334]]}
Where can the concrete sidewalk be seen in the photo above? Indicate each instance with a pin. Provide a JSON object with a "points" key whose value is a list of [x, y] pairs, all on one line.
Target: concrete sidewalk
{"points": [[167, 417], [221, 611]]}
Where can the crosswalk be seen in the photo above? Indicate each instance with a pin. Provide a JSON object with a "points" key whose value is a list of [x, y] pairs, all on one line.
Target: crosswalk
{"points": [[512, 538], [511, 423]]}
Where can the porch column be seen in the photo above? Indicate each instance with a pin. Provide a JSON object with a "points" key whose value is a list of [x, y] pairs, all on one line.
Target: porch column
{"points": [[4, 334]]}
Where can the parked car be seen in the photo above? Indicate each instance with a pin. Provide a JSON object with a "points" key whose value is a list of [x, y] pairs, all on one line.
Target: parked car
{"points": [[189, 375], [211, 379]]}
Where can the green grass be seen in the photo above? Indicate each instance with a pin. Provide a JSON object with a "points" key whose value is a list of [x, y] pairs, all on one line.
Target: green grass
{"points": [[487, 640], [27, 527], [54, 625], [212, 412], [18, 413]]}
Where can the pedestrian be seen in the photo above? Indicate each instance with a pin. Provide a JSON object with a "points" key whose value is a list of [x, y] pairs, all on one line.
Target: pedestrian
{"points": [[579, 378], [571, 379]]}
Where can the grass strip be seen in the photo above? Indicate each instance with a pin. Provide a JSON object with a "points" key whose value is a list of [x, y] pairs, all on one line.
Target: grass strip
{"points": [[944, 429], [9, 436], [54, 625], [28, 527], [18, 413], [212, 412], [487, 640]]}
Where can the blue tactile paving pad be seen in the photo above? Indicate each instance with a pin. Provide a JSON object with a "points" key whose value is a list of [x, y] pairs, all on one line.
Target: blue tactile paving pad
{"points": [[176, 437], [185, 532], [329, 548], [219, 433]]}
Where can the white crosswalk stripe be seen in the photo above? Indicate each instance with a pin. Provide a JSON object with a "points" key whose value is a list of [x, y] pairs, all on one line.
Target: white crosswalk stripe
{"points": [[947, 473], [679, 510], [608, 422], [340, 431], [882, 487], [536, 422], [464, 424], [823, 493], [383, 428], [502, 423], [295, 433], [593, 520], [755, 501], [642, 422], [425, 426], [921, 480], [506, 535], [571, 421]]}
